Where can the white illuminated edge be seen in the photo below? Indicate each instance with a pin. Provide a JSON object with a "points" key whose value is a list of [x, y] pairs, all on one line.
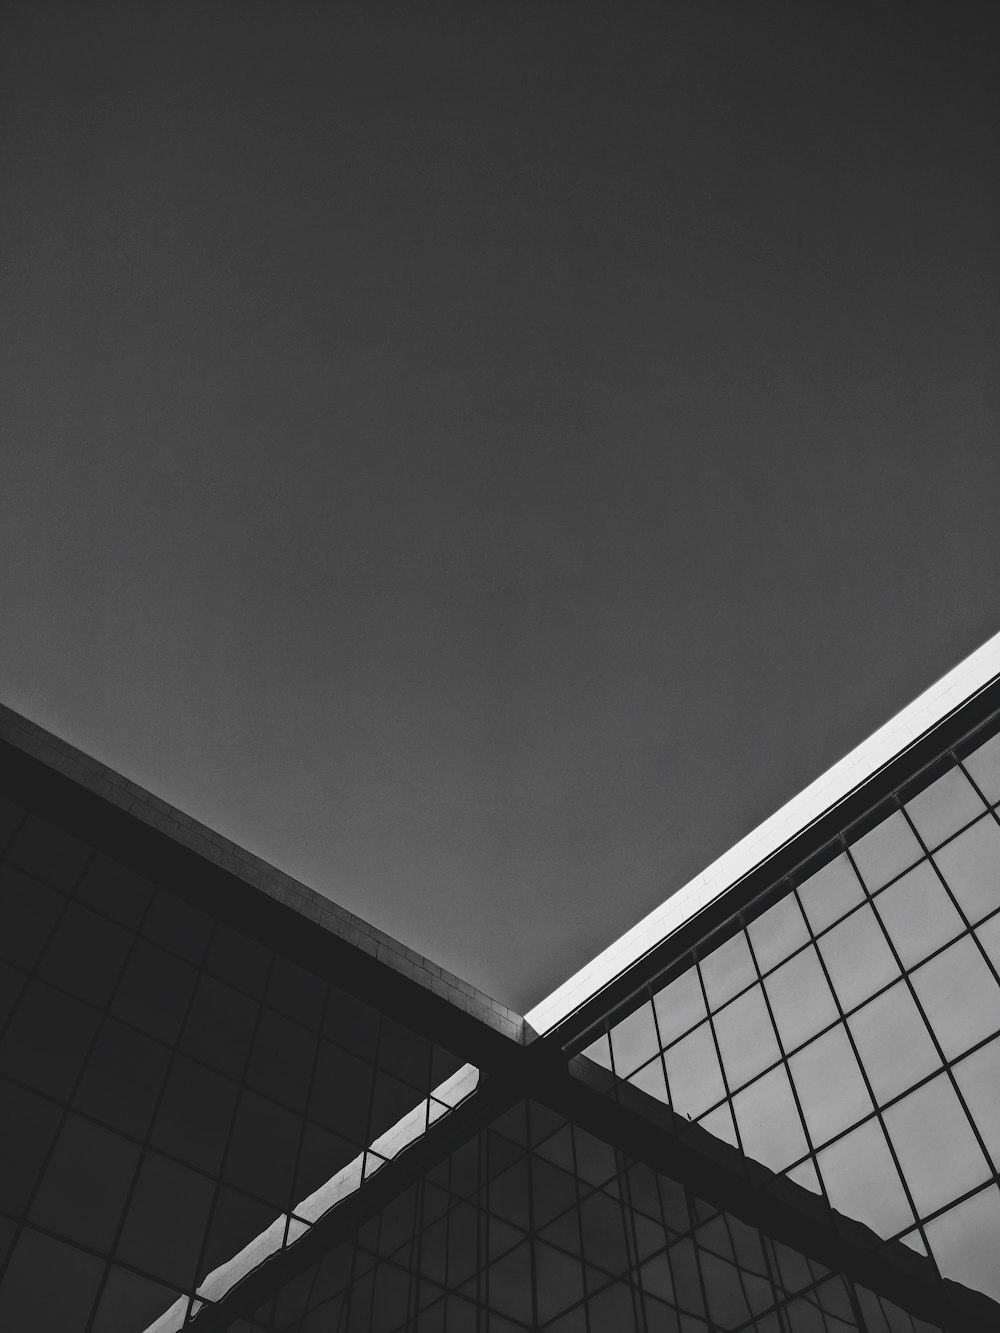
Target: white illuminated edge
{"points": [[925, 712], [347, 1180]]}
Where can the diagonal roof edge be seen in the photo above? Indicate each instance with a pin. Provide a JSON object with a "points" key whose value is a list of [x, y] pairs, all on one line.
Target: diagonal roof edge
{"points": [[115, 796], [960, 684]]}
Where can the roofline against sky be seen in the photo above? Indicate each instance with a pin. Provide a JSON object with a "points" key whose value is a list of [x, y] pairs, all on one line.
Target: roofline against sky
{"points": [[926, 711]]}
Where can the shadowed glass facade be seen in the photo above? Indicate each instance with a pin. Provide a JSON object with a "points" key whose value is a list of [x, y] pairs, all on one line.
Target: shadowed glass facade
{"points": [[843, 1029], [535, 1223], [169, 1086], [783, 1118]]}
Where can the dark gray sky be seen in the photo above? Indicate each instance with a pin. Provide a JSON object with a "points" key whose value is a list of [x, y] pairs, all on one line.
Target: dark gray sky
{"points": [[484, 458]]}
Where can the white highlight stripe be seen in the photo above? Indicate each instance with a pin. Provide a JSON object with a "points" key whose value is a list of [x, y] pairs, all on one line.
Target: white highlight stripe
{"points": [[918, 717], [347, 1180]]}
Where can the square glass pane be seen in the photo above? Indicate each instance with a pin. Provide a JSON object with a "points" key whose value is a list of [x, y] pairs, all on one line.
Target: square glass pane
{"points": [[48, 1285], [746, 1037], [960, 997], [649, 1079], [178, 926], [10, 816], [857, 957], [220, 1026], [166, 1220], [885, 851], [154, 991], [830, 893], [47, 1040], [680, 1006], [29, 912], [802, 1001], [964, 1242], [86, 954], [978, 1079], [123, 1077], [341, 1093], [770, 1127], [115, 891], [55, 857], [633, 1040], [281, 1063], [131, 1302], [298, 993], [893, 1042], [351, 1023], [83, 1191], [944, 807], [727, 970], [693, 1073], [918, 914], [236, 958], [984, 766], [195, 1114], [937, 1150], [28, 1125], [971, 865], [862, 1181], [830, 1087], [988, 935], [778, 932], [261, 1156]]}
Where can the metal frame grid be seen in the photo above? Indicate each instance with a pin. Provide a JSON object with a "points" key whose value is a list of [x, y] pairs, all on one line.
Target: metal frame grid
{"points": [[428, 1234], [951, 761], [681, 1263], [302, 1115]]}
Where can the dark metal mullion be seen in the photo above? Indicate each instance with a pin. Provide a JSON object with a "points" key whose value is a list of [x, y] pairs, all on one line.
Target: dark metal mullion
{"points": [[856, 1310], [144, 1142], [627, 1213], [530, 1153], [482, 1223], [32, 971], [812, 1288], [18, 825], [659, 1194], [785, 1057], [621, 1175], [240, 1092], [447, 1239], [992, 809], [969, 927], [729, 1095], [417, 1238], [579, 1223], [689, 1235], [861, 1064], [369, 1136], [347, 1300], [376, 1070], [304, 1118], [947, 1064], [67, 1105]]}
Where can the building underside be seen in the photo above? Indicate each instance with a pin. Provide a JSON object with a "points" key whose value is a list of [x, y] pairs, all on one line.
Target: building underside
{"points": [[229, 1104]]}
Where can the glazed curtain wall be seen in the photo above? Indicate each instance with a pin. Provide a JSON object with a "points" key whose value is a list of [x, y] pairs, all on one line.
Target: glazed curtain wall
{"points": [[168, 1087], [534, 1223], [845, 1029]]}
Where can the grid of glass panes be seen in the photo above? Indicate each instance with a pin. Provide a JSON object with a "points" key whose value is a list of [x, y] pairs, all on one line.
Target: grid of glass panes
{"points": [[848, 1036], [534, 1223], [168, 1086]]}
